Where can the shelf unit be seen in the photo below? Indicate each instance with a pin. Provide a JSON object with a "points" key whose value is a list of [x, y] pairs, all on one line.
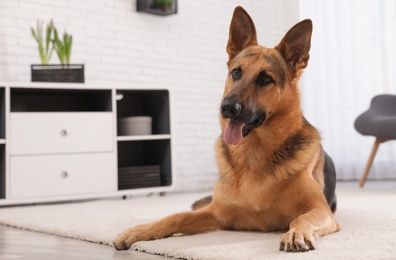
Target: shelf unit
{"points": [[59, 142], [146, 150]]}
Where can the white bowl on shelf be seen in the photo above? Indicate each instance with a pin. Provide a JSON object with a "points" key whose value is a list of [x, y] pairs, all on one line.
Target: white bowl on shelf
{"points": [[135, 125]]}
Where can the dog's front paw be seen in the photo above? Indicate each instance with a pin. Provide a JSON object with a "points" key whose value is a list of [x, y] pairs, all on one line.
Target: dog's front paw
{"points": [[138, 233], [297, 241], [125, 240]]}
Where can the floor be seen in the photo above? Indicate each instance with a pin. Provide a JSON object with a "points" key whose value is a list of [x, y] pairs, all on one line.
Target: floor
{"points": [[21, 244]]}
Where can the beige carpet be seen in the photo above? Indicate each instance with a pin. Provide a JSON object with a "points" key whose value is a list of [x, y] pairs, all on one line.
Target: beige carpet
{"points": [[368, 219]]}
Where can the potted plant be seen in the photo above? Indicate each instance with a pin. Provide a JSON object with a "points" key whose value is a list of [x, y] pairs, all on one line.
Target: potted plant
{"points": [[45, 72]]}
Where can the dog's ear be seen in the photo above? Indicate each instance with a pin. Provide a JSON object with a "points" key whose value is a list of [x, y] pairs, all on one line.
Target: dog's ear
{"points": [[295, 45], [242, 32]]}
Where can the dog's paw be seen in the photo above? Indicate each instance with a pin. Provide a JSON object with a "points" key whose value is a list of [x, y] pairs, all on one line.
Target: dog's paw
{"points": [[138, 233], [297, 241], [125, 240]]}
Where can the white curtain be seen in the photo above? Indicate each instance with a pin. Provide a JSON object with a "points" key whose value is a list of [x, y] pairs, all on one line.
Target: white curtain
{"points": [[352, 59]]}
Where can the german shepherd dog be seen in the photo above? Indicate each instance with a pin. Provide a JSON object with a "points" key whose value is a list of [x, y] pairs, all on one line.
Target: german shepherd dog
{"points": [[274, 173]]}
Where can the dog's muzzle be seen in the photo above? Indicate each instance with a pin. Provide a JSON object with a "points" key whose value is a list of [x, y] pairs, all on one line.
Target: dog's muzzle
{"points": [[242, 120]]}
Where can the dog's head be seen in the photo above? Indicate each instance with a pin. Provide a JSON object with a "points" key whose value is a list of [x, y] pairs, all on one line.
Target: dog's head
{"points": [[261, 82]]}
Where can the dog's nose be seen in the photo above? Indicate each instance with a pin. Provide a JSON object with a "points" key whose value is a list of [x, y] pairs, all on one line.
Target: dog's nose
{"points": [[230, 108]]}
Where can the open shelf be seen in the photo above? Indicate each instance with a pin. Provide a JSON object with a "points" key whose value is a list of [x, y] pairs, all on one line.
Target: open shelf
{"points": [[142, 137], [59, 100], [147, 153], [144, 160], [153, 103], [2, 144], [2, 113], [2, 172]]}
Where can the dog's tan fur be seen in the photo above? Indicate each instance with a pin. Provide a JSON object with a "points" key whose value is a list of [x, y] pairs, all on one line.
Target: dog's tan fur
{"points": [[274, 178]]}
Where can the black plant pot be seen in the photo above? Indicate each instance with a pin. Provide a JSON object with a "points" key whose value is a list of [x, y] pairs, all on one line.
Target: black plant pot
{"points": [[58, 73]]}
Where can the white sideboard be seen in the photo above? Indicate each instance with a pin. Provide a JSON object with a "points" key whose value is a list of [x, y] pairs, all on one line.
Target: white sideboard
{"points": [[59, 142]]}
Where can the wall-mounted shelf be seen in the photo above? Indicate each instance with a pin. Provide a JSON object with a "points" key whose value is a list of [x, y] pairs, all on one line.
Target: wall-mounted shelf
{"points": [[157, 7]]}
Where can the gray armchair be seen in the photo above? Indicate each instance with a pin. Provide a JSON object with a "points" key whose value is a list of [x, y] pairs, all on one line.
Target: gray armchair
{"points": [[379, 121]]}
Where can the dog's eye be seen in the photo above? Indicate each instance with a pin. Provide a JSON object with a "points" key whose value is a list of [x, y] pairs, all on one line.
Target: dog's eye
{"points": [[263, 79], [266, 79], [236, 74]]}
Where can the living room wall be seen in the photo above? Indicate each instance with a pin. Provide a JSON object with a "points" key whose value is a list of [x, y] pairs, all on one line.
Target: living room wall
{"points": [[119, 46]]}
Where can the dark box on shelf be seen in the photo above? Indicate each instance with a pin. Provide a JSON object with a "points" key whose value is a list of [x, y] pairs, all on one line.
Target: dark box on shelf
{"points": [[139, 177], [73, 73]]}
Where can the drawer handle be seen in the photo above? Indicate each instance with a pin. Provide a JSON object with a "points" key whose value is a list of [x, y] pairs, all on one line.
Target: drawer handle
{"points": [[64, 175], [63, 133]]}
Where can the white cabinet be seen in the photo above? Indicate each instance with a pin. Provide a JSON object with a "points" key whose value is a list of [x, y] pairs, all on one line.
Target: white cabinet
{"points": [[59, 142]]}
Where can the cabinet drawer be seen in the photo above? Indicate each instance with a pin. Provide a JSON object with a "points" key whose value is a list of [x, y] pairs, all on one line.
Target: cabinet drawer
{"points": [[57, 175], [40, 133]]}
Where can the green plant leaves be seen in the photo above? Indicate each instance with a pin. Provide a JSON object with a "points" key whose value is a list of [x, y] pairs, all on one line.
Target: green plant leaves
{"points": [[62, 48], [44, 52]]}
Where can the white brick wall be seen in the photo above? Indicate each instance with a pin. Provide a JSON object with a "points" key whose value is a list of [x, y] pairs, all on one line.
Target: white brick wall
{"points": [[185, 52]]}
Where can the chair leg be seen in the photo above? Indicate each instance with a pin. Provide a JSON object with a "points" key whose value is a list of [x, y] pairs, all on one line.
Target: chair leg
{"points": [[370, 160]]}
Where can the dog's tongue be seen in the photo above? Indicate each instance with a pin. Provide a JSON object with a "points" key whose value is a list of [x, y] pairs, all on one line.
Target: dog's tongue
{"points": [[233, 132]]}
